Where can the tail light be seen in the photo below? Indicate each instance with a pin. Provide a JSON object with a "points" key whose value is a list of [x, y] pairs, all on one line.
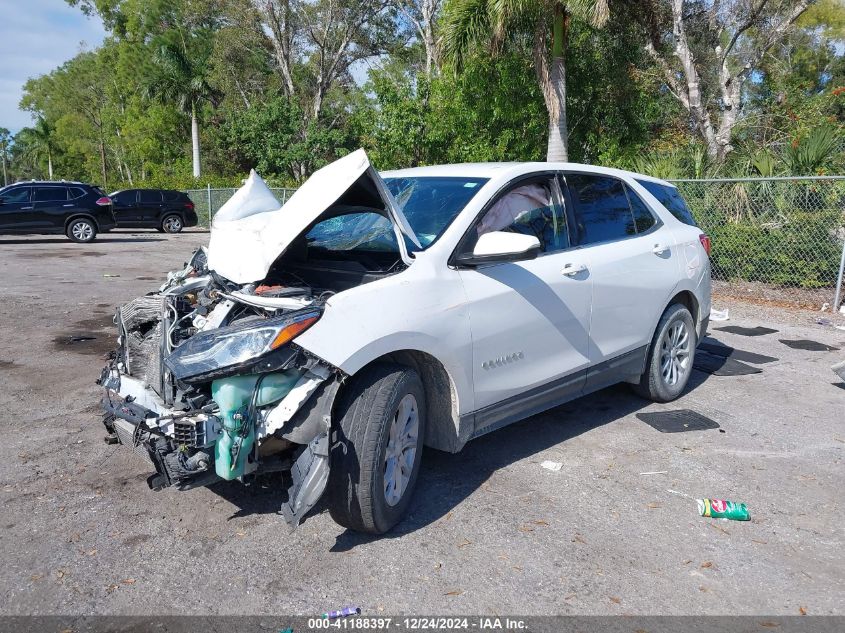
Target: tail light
{"points": [[189, 205], [705, 242], [104, 201]]}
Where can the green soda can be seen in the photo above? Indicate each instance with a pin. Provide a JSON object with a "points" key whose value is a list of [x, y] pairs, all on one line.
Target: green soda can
{"points": [[722, 509]]}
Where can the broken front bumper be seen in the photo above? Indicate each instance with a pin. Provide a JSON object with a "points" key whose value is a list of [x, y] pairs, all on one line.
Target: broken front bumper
{"points": [[180, 446]]}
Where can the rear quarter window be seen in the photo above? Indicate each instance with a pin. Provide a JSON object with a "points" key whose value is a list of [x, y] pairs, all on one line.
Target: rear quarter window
{"points": [[670, 198]]}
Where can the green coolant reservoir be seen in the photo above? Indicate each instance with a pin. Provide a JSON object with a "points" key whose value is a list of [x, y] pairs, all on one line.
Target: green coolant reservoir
{"points": [[233, 395]]}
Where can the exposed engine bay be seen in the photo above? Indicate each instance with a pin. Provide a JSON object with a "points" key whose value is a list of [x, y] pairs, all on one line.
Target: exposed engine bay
{"points": [[208, 383]]}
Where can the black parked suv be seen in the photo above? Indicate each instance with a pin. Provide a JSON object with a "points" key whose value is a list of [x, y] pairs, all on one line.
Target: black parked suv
{"points": [[163, 209], [75, 209]]}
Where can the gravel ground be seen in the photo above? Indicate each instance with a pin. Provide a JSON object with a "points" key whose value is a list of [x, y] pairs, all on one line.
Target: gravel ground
{"points": [[490, 530]]}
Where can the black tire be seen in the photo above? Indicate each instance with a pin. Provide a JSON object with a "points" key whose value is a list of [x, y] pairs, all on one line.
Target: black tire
{"points": [[357, 496], [654, 384], [81, 230], [172, 223]]}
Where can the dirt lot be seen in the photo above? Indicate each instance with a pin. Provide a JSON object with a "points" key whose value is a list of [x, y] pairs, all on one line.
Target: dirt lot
{"points": [[490, 531]]}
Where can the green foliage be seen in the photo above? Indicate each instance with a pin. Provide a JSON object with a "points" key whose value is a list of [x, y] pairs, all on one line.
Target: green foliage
{"points": [[808, 155], [801, 254], [120, 114], [492, 111], [269, 138]]}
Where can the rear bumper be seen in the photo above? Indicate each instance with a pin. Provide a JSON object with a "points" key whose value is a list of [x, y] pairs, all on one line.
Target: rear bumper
{"points": [[190, 219]]}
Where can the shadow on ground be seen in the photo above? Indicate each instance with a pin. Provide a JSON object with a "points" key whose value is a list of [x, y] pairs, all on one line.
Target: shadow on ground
{"points": [[447, 479]]}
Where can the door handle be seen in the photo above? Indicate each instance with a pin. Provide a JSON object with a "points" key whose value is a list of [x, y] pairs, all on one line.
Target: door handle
{"points": [[659, 249], [570, 270], [25, 208], [67, 205]]}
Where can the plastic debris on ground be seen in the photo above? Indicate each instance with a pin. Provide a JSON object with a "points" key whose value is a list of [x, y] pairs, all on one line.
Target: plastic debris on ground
{"points": [[346, 611], [839, 369], [719, 315], [110, 275], [656, 472], [550, 465], [723, 509]]}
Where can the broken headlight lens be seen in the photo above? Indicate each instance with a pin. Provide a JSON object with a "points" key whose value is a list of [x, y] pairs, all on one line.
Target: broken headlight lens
{"points": [[236, 346]]}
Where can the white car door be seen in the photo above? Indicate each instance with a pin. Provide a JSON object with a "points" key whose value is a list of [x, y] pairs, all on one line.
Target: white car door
{"points": [[633, 263], [529, 319]]}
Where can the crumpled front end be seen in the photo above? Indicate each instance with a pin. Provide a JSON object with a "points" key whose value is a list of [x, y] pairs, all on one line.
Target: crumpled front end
{"points": [[207, 384]]}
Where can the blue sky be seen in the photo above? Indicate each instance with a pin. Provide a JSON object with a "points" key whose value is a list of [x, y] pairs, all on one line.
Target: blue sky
{"points": [[36, 36]]}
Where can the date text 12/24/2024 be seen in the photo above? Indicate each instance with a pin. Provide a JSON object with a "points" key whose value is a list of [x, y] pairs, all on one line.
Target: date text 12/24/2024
{"points": [[482, 623]]}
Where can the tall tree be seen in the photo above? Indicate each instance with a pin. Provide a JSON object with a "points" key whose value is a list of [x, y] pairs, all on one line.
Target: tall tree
{"points": [[184, 80], [708, 50], [468, 23], [39, 143], [5, 138], [423, 14], [316, 43]]}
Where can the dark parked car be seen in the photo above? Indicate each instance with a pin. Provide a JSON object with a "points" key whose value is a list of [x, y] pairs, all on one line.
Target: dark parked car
{"points": [[75, 209], [163, 209]]}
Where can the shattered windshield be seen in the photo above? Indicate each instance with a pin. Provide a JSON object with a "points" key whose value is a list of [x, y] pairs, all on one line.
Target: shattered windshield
{"points": [[432, 203], [364, 231]]}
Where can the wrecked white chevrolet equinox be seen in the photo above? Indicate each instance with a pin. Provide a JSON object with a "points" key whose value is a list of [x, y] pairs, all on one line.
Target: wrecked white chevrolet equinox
{"points": [[333, 338]]}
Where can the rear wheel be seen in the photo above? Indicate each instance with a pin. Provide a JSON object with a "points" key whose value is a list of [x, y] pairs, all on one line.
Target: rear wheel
{"points": [[375, 459], [81, 230], [171, 224], [670, 357]]}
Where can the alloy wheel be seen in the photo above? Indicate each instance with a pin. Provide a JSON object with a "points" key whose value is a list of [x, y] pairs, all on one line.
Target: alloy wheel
{"points": [[82, 231], [401, 449], [675, 353], [172, 225]]}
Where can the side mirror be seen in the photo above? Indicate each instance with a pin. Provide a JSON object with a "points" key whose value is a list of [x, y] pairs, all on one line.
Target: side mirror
{"points": [[500, 246]]}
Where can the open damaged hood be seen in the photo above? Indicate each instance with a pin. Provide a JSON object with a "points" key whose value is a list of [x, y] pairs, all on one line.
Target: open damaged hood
{"points": [[251, 231]]}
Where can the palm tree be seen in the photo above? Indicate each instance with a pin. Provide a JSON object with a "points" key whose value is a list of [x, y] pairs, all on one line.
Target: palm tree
{"points": [[468, 23], [38, 143], [183, 80], [5, 137]]}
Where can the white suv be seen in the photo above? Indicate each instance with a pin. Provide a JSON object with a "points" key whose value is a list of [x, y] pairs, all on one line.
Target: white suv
{"points": [[374, 314]]}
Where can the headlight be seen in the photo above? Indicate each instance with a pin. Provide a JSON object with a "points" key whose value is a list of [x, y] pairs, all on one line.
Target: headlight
{"points": [[236, 347]]}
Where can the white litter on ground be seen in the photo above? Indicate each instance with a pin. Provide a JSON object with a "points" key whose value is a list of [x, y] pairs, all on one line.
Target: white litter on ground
{"points": [[719, 315], [656, 472], [553, 466]]}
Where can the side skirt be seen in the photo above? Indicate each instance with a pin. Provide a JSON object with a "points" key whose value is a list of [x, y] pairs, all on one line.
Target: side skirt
{"points": [[556, 393]]}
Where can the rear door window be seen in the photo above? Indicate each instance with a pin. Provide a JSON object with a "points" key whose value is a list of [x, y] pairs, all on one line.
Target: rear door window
{"points": [[49, 194], [171, 196], [601, 208], [147, 196], [15, 196], [643, 217], [125, 198], [76, 192], [669, 197]]}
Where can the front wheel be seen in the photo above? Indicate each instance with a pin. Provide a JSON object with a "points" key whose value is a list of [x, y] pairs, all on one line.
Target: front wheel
{"points": [[670, 357], [375, 458], [81, 230]]}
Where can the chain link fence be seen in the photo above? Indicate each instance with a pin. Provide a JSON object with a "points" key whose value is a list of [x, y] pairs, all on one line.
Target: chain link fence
{"points": [[776, 240], [208, 201]]}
